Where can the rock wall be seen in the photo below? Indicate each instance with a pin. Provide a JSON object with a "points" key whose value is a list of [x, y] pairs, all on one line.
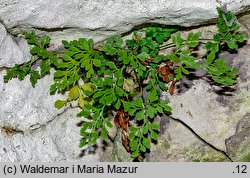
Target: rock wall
{"points": [[31, 129], [99, 19], [12, 50]]}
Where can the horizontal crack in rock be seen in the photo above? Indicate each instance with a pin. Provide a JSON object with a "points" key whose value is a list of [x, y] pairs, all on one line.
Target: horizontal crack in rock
{"points": [[44, 125], [3, 68], [52, 29], [9, 130]]}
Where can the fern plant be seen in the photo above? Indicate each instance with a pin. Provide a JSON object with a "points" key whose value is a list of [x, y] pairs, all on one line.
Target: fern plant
{"points": [[124, 79]]}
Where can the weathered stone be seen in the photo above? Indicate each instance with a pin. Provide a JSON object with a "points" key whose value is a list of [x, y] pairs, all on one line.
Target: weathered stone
{"points": [[213, 112], [238, 145], [115, 152], [31, 129], [12, 50], [27, 147], [24, 107], [199, 109], [57, 140], [244, 20], [100, 19], [175, 144]]}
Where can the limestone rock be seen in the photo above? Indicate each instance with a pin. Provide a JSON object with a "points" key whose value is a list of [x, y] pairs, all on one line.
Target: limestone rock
{"points": [[213, 112], [31, 129], [27, 147], [179, 144], [99, 19], [238, 144], [12, 50], [219, 115], [244, 20], [24, 107], [54, 141]]}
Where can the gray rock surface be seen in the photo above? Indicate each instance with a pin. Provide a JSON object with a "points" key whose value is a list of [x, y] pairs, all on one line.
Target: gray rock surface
{"points": [[214, 112], [24, 107], [12, 50], [238, 144], [245, 24], [179, 144], [31, 129], [99, 19], [54, 141]]}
